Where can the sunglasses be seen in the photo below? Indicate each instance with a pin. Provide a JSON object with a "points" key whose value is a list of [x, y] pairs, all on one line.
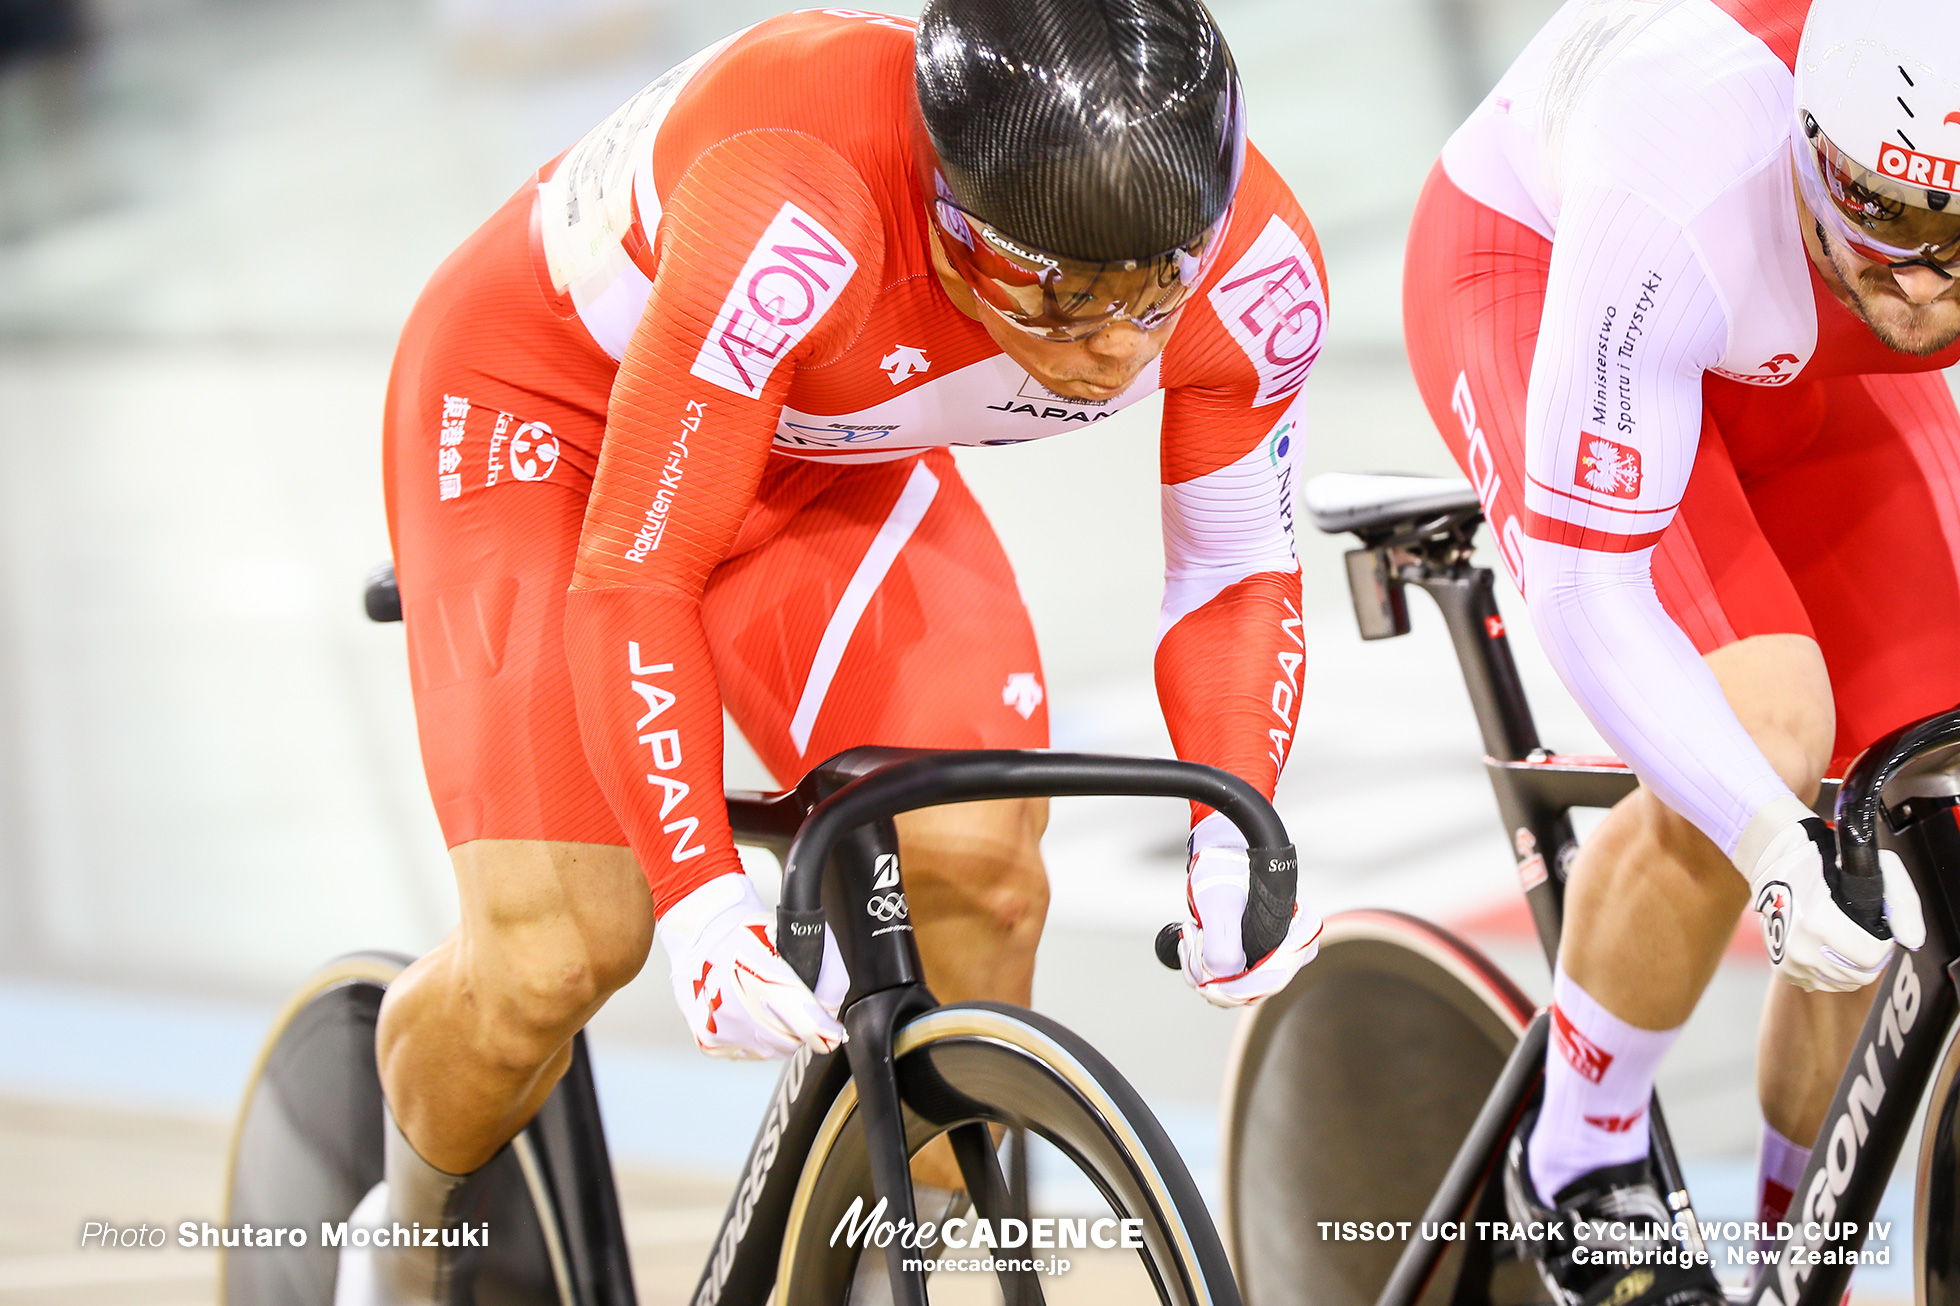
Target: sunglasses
{"points": [[1060, 299]]}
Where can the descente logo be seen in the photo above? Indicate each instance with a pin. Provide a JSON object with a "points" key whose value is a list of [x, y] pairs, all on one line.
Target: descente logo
{"points": [[859, 1228]]}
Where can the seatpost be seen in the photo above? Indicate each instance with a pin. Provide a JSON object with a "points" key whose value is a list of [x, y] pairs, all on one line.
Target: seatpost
{"points": [[1467, 598], [1540, 834]]}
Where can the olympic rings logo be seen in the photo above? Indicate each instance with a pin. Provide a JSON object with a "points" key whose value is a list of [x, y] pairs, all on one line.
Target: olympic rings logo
{"points": [[887, 907]]}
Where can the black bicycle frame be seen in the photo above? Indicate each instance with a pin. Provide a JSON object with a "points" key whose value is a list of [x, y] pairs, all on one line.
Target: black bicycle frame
{"points": [[1898, 1049], [834, 835]]}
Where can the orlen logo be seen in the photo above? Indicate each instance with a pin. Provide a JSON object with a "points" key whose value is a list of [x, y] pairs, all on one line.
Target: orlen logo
{"points": [[1914, 168], [792, 277], [1769, 373], [1271, 303]]}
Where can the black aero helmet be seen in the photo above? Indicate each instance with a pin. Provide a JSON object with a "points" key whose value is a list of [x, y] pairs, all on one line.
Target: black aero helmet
{"points": [[1079, 156]]}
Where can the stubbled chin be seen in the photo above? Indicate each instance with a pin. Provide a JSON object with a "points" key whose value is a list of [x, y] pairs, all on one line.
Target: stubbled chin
{"points": [[1910, 329]]}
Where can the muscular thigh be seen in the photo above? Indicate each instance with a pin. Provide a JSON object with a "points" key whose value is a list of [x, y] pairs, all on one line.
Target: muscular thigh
{"points": [[553, 915], [1857, 488], [495, 411], [879, 610]]}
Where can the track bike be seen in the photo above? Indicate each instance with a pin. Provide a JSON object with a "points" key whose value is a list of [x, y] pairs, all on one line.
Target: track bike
{"points": [[1384, 1083], [839, 1128]]}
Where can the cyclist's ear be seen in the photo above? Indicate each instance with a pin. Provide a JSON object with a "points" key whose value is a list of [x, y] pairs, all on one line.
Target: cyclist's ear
{"points": [[1902, 911]]}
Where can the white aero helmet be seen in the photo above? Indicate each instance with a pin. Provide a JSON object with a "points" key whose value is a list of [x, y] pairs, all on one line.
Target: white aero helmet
{"points": [[1878, 127]]}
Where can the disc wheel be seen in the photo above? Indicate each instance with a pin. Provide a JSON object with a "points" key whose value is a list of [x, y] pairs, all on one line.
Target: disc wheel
{"points": [[981, 1062], [1347, 1096], [308, 1147]]}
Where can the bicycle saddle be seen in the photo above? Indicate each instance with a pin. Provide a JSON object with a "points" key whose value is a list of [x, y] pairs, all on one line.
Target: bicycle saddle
{"points": [[1353, 501]]}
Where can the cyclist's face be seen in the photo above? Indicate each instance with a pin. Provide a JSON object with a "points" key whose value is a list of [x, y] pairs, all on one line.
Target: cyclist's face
{"points": [[1915, 309], [1097, 367]]}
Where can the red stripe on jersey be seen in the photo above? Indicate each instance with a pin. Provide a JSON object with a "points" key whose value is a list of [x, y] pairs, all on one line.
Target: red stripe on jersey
{"points": [[1550, 529], [1778, 24], [1594, 503]]}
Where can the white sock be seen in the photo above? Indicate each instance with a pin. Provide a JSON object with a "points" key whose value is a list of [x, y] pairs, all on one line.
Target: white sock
{"points": [[1599, 1078], [1779, 1165]]}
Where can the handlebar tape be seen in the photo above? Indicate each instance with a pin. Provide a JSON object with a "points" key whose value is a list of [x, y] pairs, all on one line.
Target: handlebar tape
{"points": [[1859, 896], [799, 941], [1166, 945], [1270, 893]]}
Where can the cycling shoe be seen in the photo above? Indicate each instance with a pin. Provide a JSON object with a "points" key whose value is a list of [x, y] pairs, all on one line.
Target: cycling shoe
{"points": [[1606, 1239]]}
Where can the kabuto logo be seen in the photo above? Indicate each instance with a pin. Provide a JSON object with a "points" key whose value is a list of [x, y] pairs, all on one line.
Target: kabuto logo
{"points": [[1773, 905], [792, 277], [533, 452]]}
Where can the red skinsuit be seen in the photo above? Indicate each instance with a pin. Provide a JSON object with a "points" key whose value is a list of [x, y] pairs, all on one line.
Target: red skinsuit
{"points": [[701, 371]]}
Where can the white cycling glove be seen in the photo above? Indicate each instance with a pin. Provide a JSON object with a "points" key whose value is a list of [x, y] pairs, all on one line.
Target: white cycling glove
{"points": [[1811, 942], [741, 999], [1210, 947]]}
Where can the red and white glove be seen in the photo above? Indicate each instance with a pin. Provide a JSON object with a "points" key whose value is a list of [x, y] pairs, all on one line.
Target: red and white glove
{"points": [[741, 999], [1811, 942], [1210, 947]]}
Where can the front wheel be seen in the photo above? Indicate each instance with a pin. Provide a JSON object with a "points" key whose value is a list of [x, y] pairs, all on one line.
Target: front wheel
{"points": [[1004, 1066], [1936, 1233]]}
